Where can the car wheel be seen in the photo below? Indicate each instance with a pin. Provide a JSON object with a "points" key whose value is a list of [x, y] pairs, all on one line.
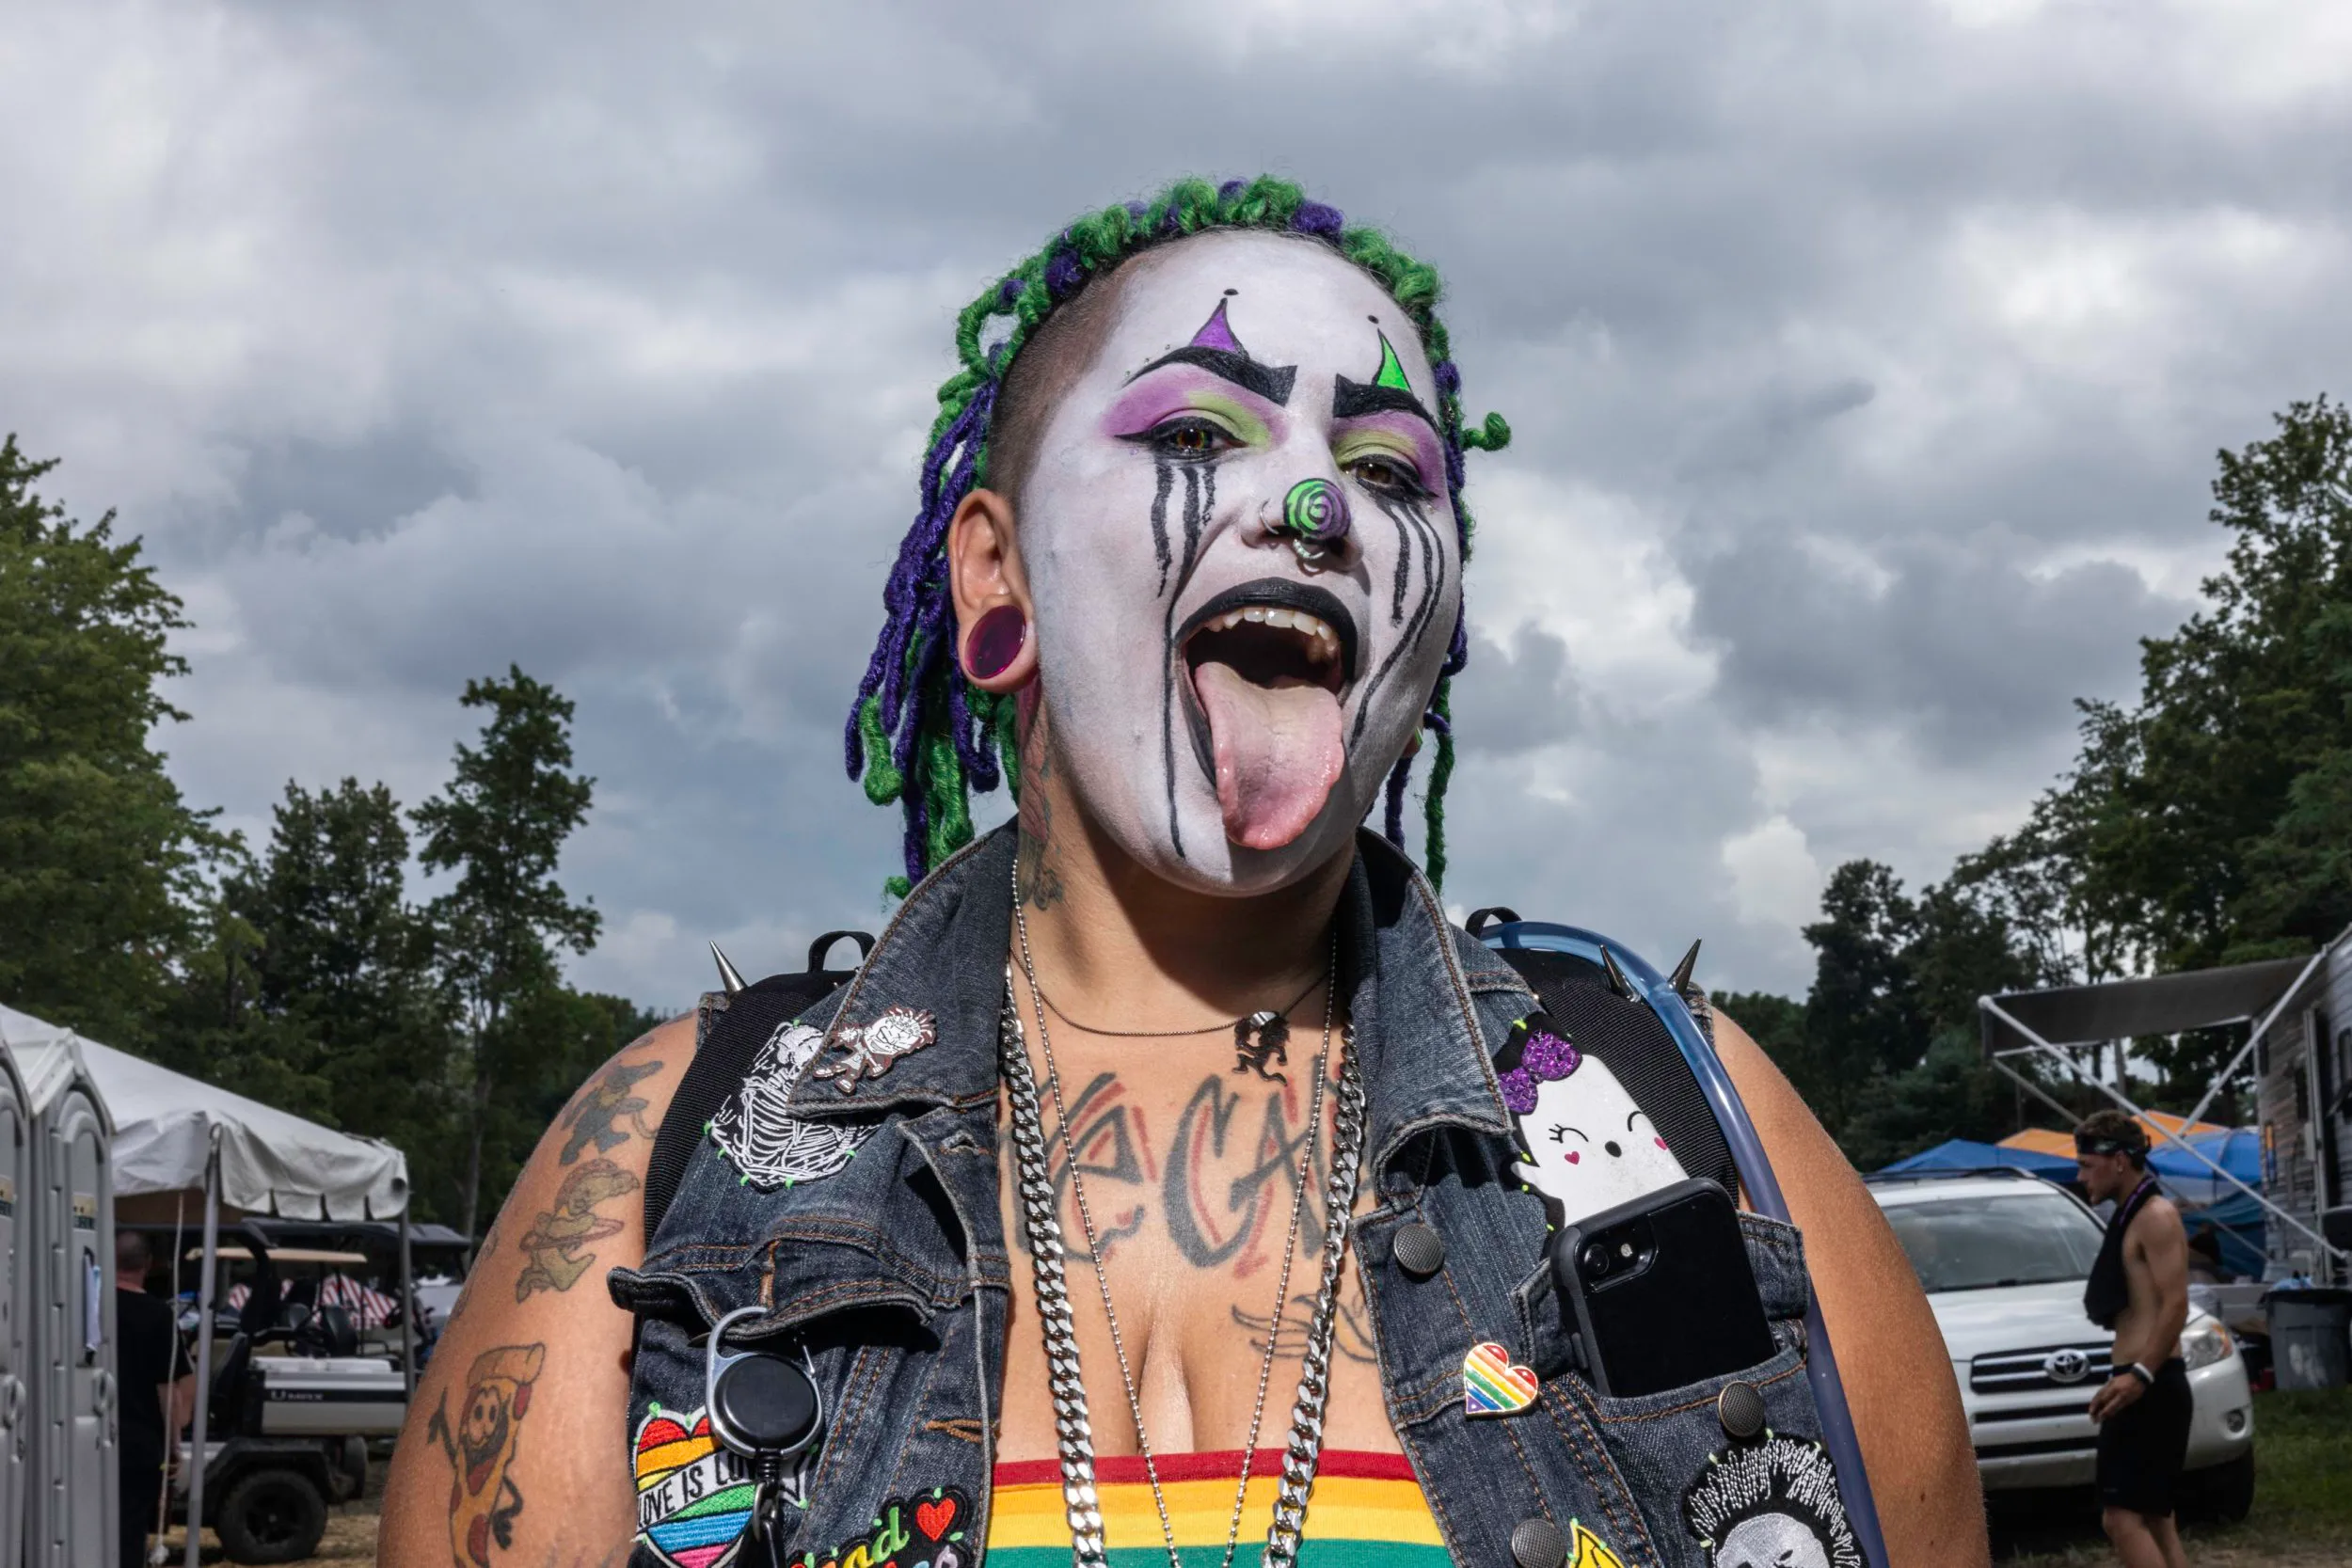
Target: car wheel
{"points": [[271, 1516], [2226, 1492]]}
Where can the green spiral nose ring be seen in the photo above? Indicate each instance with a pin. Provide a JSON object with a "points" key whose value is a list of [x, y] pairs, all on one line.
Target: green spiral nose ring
{"points": [[1314, 515]]}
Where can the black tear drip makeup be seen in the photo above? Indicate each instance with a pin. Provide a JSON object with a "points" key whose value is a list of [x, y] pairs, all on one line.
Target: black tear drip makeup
{"points": [[1409, 517], [1200, 502]]}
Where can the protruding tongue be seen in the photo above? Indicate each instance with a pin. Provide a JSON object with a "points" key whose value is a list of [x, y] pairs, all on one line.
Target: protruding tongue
{"points": [[1277, 753]]}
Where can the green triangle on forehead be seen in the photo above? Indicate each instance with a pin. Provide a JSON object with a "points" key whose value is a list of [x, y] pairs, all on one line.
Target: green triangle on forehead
{"points": [[1392, 369]]}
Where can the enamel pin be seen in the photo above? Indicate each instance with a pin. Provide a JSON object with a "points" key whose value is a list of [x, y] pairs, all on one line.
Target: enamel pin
{"points": [[1493, 1383], [872, 1047]]}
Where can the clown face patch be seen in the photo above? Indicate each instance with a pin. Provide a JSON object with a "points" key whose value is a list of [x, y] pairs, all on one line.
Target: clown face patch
{"points": [[761, 1138], [1773, 1504], [1584, 1142], [922, 1532], [695, 1496]]}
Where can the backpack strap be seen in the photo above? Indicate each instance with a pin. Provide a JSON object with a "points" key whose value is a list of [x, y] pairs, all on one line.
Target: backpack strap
{"points": [[732, 1029]]}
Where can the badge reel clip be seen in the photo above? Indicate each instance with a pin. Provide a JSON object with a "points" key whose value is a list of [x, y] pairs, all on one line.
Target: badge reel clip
{"points": [[764, 1408]]}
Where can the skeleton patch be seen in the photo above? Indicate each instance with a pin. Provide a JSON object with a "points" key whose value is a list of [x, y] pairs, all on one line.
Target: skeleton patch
{"points": [[872, 1047], [1773, 1504], [759, 1135]]}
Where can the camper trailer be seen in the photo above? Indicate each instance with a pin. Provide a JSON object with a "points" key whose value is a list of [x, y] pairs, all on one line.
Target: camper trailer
{"points": [[2303, 1093]]}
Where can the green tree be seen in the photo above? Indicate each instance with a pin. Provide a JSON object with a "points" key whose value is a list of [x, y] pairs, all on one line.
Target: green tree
{"points": [[501, 826], [101, 860], [1862, 1017], [2208, 821], [344, 959]]}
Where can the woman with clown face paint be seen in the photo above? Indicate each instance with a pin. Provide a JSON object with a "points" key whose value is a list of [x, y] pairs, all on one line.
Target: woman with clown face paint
{"points": [[1150, 1186]]}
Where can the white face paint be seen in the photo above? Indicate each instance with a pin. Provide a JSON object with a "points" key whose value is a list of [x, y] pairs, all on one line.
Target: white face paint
{"points": [[1594, 1146], [1234, 758], [1771, 1540]]}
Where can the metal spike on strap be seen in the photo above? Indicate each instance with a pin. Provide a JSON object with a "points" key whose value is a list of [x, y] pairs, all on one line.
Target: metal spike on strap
{"points": [[1680, 978], [728, 978], [1617, 982]]}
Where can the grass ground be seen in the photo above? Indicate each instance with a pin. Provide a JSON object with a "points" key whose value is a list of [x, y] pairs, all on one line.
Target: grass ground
{"points": [[2302, 1514]]}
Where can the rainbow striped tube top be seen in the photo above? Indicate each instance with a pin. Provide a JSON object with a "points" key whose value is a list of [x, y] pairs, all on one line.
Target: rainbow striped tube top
{"points": [[1367, 1512]]}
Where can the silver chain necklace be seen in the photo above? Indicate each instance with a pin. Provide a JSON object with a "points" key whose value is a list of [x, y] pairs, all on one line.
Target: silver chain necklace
{"points": [[1039, 1004], [1073, 1431]]}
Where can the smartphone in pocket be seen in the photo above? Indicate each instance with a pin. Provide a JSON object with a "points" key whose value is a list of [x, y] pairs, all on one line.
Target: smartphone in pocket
{"points": [[1659, 1291]]}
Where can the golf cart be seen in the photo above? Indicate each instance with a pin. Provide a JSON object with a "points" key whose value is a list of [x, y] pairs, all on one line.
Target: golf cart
{"points": [[291, 1409]]}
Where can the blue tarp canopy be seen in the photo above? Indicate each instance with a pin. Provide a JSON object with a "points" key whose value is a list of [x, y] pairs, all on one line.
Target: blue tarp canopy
{"points": [[2237, 1150], [1968, 1154]]}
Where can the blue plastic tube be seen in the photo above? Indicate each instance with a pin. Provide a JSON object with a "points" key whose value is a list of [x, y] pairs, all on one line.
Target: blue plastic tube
{"points": [[1756, 1177]]}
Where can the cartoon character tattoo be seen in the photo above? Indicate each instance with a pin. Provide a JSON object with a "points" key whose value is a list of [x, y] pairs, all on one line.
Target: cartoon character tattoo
{"points": [[1585, 1143], [556, 1239], [483, 1499], [591, 1116]]}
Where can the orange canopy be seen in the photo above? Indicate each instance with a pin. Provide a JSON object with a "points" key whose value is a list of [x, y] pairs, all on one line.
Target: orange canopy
{"points": [[2041, 1140]]}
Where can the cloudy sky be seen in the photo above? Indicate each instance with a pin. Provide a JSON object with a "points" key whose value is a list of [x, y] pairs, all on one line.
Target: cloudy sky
{"points": [[1866, 362]]}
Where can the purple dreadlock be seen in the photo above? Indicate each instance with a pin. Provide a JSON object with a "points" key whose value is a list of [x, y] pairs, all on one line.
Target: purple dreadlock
{"points": [[923, 738]]}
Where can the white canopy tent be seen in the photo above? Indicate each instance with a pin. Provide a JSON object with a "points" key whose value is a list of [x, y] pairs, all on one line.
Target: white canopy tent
{"points": [[178, 1138]]}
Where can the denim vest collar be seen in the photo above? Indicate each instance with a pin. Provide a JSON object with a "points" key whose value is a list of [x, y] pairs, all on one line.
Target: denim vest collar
{"points": [[1422, 1055]]}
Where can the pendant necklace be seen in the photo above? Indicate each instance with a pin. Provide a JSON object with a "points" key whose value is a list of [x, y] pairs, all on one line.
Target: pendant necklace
{"points": [[1073, 1431]]}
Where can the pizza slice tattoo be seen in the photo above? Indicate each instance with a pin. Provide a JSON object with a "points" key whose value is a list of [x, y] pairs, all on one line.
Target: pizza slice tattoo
{"points": [[482, 1500]]}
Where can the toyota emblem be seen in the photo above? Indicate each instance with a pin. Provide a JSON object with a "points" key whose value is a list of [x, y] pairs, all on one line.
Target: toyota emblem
{"points": [[2066, 1366]]}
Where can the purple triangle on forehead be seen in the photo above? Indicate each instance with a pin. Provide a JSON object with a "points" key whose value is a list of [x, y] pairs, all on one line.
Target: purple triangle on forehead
{"points": [[1218, 333]]}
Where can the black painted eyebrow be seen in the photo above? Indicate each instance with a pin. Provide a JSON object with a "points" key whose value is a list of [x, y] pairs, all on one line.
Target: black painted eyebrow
{"points": [[1352, 400], [1270, 382]]}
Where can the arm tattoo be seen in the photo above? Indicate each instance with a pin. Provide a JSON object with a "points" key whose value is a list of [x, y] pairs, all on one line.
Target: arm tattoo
{"points": [[483, 1499], [557, 1242], [603, 1103]]}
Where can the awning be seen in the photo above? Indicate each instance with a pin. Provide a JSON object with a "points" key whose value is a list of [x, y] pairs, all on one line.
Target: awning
{"points": [[2155, 1005], [272, 1162]]}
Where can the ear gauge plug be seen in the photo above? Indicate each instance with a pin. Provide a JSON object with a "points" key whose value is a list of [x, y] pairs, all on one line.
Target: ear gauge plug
{"points": [[995, 641]]}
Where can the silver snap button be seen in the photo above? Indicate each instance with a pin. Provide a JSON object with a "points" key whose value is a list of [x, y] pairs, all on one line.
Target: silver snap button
{"points": [[1417, 1250], [1538, 1543]]}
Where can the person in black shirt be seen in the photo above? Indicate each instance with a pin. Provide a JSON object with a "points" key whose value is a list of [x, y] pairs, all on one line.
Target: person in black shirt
{"points": [[148, 1355]]}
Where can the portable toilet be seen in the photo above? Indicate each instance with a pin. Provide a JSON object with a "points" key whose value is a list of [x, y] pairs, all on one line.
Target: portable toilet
{"points": [[67, 1206], [16, 1271]]}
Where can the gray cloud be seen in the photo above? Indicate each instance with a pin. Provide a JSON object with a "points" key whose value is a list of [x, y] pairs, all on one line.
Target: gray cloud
{"points": [[1867, 362]]}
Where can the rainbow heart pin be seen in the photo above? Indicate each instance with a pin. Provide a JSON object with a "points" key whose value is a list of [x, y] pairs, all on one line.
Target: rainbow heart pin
{"points": [[1492, 1385]]}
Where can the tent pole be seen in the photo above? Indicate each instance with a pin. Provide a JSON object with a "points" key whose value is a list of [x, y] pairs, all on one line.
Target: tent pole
{"points": [[2261, 1027], [206, 1276], [2032, 1088], [2327, 1248], [407, 1313]]}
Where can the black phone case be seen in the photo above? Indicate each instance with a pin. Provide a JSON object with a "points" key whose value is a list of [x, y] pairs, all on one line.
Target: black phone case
{"points": [[1692, 1314]]}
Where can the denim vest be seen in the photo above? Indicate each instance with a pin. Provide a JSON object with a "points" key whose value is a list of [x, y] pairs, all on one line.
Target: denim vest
{"points": [[890, 1279]]}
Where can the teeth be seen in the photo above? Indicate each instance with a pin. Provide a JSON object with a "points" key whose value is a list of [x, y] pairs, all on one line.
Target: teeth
{"points": [[1323, 645]]}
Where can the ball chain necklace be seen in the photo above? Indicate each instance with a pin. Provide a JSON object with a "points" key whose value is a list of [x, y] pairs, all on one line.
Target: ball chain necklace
{"points": [[1072, 1428]]}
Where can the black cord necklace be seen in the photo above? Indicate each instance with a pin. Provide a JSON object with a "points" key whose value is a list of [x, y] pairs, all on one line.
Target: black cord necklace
{"points": [[1259, 1039]]}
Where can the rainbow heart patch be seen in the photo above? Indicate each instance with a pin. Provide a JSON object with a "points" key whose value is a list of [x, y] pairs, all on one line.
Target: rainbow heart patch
{"points": [[694, 1497], [1493, 1384]]}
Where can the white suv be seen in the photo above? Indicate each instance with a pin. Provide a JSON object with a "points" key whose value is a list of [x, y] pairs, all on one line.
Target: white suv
{"points": [[2003, 1256]]}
